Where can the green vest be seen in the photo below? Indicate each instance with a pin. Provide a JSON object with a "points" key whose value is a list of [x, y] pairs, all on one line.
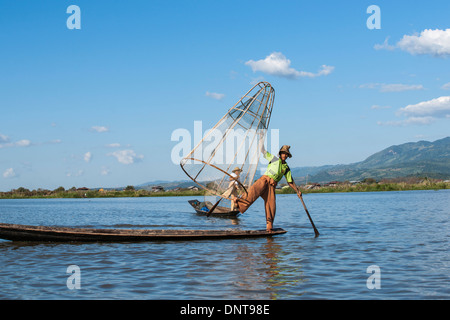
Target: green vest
{"points": [[276, 169]]}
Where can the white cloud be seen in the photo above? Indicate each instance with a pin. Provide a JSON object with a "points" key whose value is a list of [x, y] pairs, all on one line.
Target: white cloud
{"points": [[105, 171], [324, 71], [99, 129], [126, 156], [393, 87], [409, 121], [23, 143], [446, 86], [400, 87], [422, 113], [278, 65], [75, 174], [439, 107], [3, 138], [5, 142], [433, 42], [113, 145], [214, 95], [384, 46], [88, 156], [377, 107], [9, 173]]}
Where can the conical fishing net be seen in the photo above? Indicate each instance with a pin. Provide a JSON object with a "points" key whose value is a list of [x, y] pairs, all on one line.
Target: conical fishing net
{"points": [[224, 162]]}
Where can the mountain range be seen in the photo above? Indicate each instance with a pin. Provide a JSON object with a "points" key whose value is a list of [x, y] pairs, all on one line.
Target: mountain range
{"points": [[413, 159], [419, 159]]}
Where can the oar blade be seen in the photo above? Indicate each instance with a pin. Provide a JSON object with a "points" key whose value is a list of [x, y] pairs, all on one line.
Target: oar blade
{"points": [[316, 232]]}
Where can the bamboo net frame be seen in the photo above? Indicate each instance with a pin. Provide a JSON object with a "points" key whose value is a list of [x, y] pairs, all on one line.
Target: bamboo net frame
{"points": [[235, 141]]}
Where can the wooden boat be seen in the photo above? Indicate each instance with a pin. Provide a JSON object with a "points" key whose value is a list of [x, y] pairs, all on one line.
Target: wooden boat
{"points": [[17, 232], [203, 208]]}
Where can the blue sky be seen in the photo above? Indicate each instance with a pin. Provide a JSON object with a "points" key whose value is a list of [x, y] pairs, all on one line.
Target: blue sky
{"points": [[97, 106]]}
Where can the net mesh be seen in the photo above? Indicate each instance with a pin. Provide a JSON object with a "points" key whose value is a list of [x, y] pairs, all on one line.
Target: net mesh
{"points": [[225, 161]]}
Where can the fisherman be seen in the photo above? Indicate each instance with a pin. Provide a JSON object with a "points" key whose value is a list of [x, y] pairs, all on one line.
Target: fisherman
{"points": [[233, 185], [265, 186]]}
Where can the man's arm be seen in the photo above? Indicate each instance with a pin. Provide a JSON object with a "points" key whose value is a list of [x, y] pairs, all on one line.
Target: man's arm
{"points": [[294, 187], [291, 182], [263, 150], [269, 157], [261, 140]]}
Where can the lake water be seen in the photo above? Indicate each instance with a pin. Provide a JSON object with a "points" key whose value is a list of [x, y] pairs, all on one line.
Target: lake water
{"points": [[405, 234]]}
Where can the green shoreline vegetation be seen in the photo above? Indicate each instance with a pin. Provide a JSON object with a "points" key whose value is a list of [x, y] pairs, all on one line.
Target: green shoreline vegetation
{"points": [[368, 185]]}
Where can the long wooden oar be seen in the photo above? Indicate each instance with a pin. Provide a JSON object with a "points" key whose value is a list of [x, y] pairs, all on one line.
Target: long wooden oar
{"points": [[315, 229], [213, 207]]}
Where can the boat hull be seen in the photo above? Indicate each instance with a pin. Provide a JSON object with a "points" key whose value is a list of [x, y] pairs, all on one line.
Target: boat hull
{"points": [[218, 211], [16, 232]]}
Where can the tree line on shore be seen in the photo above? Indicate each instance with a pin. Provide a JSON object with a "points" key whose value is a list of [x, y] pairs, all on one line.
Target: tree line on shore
{"points": [[367, 185], [74, 192], [370, 184]]}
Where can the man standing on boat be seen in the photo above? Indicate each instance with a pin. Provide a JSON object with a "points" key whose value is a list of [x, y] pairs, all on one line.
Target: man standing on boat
{"points": [[265, 186]]}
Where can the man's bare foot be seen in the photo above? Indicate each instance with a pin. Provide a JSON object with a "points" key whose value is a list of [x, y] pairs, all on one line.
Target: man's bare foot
{"points": [[269, 227]]}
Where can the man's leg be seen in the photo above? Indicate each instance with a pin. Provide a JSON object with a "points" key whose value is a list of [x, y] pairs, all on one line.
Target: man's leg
{"points": [[252, 194], [270, 206]]}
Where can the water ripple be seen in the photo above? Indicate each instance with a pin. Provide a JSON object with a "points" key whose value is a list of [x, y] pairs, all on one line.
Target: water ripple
{"points": [[406, 234]]}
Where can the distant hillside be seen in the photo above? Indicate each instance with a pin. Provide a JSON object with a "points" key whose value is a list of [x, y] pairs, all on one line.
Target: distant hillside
{"points": [[423, 158], [414, 159]]}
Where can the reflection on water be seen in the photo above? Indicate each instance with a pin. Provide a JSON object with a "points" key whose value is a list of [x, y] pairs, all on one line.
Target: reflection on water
{"points": [[263, 270], [406, 234], [283, 273]]}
